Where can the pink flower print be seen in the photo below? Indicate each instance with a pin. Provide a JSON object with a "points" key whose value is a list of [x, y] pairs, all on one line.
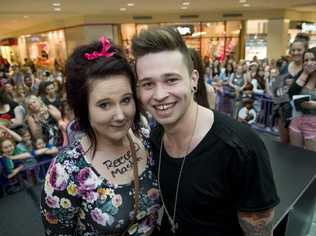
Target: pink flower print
{"points": [[117, 200], [153, 194], [52, 201], [90, 196], [87, 180], [98, 216], [58, 177]]}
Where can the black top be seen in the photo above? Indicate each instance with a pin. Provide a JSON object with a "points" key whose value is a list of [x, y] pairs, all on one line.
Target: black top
{"points": [[228, 171]]}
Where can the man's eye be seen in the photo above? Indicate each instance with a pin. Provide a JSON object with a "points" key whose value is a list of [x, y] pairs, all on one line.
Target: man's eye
{"points": [[147, 85], [172, 80]]}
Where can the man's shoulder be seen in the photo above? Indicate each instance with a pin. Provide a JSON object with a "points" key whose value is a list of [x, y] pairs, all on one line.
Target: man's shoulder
{"points": [[234, 133]]}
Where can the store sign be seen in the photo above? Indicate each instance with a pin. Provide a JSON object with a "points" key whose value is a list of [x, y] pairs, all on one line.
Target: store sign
{"points": [[9, 42], [308, 27], [185, 30]]}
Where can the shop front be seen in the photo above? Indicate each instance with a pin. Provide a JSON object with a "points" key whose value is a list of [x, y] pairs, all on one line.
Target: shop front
{"points": [[46, 50], [256, 39], [213, 40], [8, 50]]}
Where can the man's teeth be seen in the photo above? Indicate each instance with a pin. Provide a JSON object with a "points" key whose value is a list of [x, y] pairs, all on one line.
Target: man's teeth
{"points": [[164, 107]]}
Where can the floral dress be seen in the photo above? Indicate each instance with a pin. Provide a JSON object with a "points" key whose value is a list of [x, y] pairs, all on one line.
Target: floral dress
{"points": [[76, 200]]}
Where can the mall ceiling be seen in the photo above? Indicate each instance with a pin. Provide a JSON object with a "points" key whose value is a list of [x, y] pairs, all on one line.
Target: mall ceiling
{"points": [[16, 15]]}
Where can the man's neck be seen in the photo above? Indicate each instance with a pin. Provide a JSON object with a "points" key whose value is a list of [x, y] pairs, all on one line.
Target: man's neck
{"points": [[178, 136]]}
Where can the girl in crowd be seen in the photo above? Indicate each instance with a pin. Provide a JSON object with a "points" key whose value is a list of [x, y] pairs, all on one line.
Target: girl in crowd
{"points": [[102, 184], [43, 120], [303, 128], [281, 86]]}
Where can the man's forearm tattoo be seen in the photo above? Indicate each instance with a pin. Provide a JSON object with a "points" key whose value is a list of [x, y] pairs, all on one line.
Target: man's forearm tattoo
{"points": [[256, 224]]}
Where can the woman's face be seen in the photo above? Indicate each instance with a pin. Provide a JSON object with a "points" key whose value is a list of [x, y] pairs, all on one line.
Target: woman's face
{"points": [[8, 88], [309, 58], [21, 92], [111, 107], [296, 51], [34, 104], [50, 89]]}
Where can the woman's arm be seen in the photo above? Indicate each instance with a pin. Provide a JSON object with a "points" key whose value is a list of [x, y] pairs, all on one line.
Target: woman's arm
{"points": [[18, 117], [13, 134], [311, 105], [54, 112], [35, 128], [60, 200]]}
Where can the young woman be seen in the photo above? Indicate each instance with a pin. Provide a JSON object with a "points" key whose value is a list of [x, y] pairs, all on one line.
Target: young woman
{"points": [[303, 128], [102, 184], [281, 86], [43, 120]]}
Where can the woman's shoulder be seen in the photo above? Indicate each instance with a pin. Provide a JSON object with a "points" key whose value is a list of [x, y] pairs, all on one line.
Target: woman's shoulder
{"points": [[70, 155]]}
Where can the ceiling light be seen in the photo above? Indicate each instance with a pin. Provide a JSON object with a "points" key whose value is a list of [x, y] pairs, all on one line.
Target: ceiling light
{"points": [[56, 4], [184, 8], [130, 4], [57, 9], [123, 9], [186, 3], [242, 1], [246, 5]]}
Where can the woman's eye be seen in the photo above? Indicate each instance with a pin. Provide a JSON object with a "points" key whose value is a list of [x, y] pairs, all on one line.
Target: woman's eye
{"points": [[104, 105], [126, 100]]}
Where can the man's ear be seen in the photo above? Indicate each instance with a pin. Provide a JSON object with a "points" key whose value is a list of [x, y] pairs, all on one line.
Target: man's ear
{"points": [[195, 77]]}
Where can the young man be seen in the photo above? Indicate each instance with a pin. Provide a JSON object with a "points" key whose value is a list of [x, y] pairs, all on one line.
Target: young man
{"points": [[214, 173]]}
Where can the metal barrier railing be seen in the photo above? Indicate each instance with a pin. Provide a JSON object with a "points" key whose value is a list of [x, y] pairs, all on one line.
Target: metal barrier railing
{"points": [[263, 104]]}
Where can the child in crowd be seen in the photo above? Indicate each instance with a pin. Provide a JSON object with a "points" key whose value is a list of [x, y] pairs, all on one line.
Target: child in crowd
{"points": [[10, 164], [247, 114], [26, 142], [44, 152]]}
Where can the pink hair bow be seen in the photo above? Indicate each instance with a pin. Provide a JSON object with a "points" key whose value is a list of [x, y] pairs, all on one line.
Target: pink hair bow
{"points": [[106, 45]]}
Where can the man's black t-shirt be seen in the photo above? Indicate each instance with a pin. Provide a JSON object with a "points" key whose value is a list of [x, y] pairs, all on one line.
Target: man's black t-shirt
{"points": [[229, 171]]}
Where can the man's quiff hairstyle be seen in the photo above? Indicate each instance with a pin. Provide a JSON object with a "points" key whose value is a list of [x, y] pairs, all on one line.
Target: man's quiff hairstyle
{"points": [[161, 39]]}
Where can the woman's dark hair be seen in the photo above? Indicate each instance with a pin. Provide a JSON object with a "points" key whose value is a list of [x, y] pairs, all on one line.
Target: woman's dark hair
{"points": [[226, 68], [42, 87], [4, 98], [201, 94], [311, 50], [80, 72]]}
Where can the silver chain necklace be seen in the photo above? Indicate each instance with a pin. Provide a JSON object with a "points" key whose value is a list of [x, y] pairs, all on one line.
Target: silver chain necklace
{"points": [[174, 225]]}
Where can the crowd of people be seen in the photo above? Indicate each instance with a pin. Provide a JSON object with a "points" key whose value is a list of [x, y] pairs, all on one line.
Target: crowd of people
{"points": [[42, 114], [33, 121]]}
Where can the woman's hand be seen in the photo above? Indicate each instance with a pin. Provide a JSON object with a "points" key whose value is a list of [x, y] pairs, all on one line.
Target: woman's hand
{"points": [[309, 105]]}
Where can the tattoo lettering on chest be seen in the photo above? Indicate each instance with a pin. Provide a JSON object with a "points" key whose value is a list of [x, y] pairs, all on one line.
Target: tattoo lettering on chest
{"points": [[121, 165]]}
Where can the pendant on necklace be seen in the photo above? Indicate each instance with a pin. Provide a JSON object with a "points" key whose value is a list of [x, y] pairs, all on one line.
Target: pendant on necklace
{"points": [[174, 227]]}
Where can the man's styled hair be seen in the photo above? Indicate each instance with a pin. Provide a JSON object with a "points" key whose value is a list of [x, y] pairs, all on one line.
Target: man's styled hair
{"points": [[161, 39]]}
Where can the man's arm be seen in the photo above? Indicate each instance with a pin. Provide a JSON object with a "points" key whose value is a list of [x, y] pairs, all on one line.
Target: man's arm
{"points": [[256, 223]]}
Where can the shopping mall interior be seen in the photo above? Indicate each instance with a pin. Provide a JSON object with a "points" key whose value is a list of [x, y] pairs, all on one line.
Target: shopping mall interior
{"points": [[258, 59]]}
